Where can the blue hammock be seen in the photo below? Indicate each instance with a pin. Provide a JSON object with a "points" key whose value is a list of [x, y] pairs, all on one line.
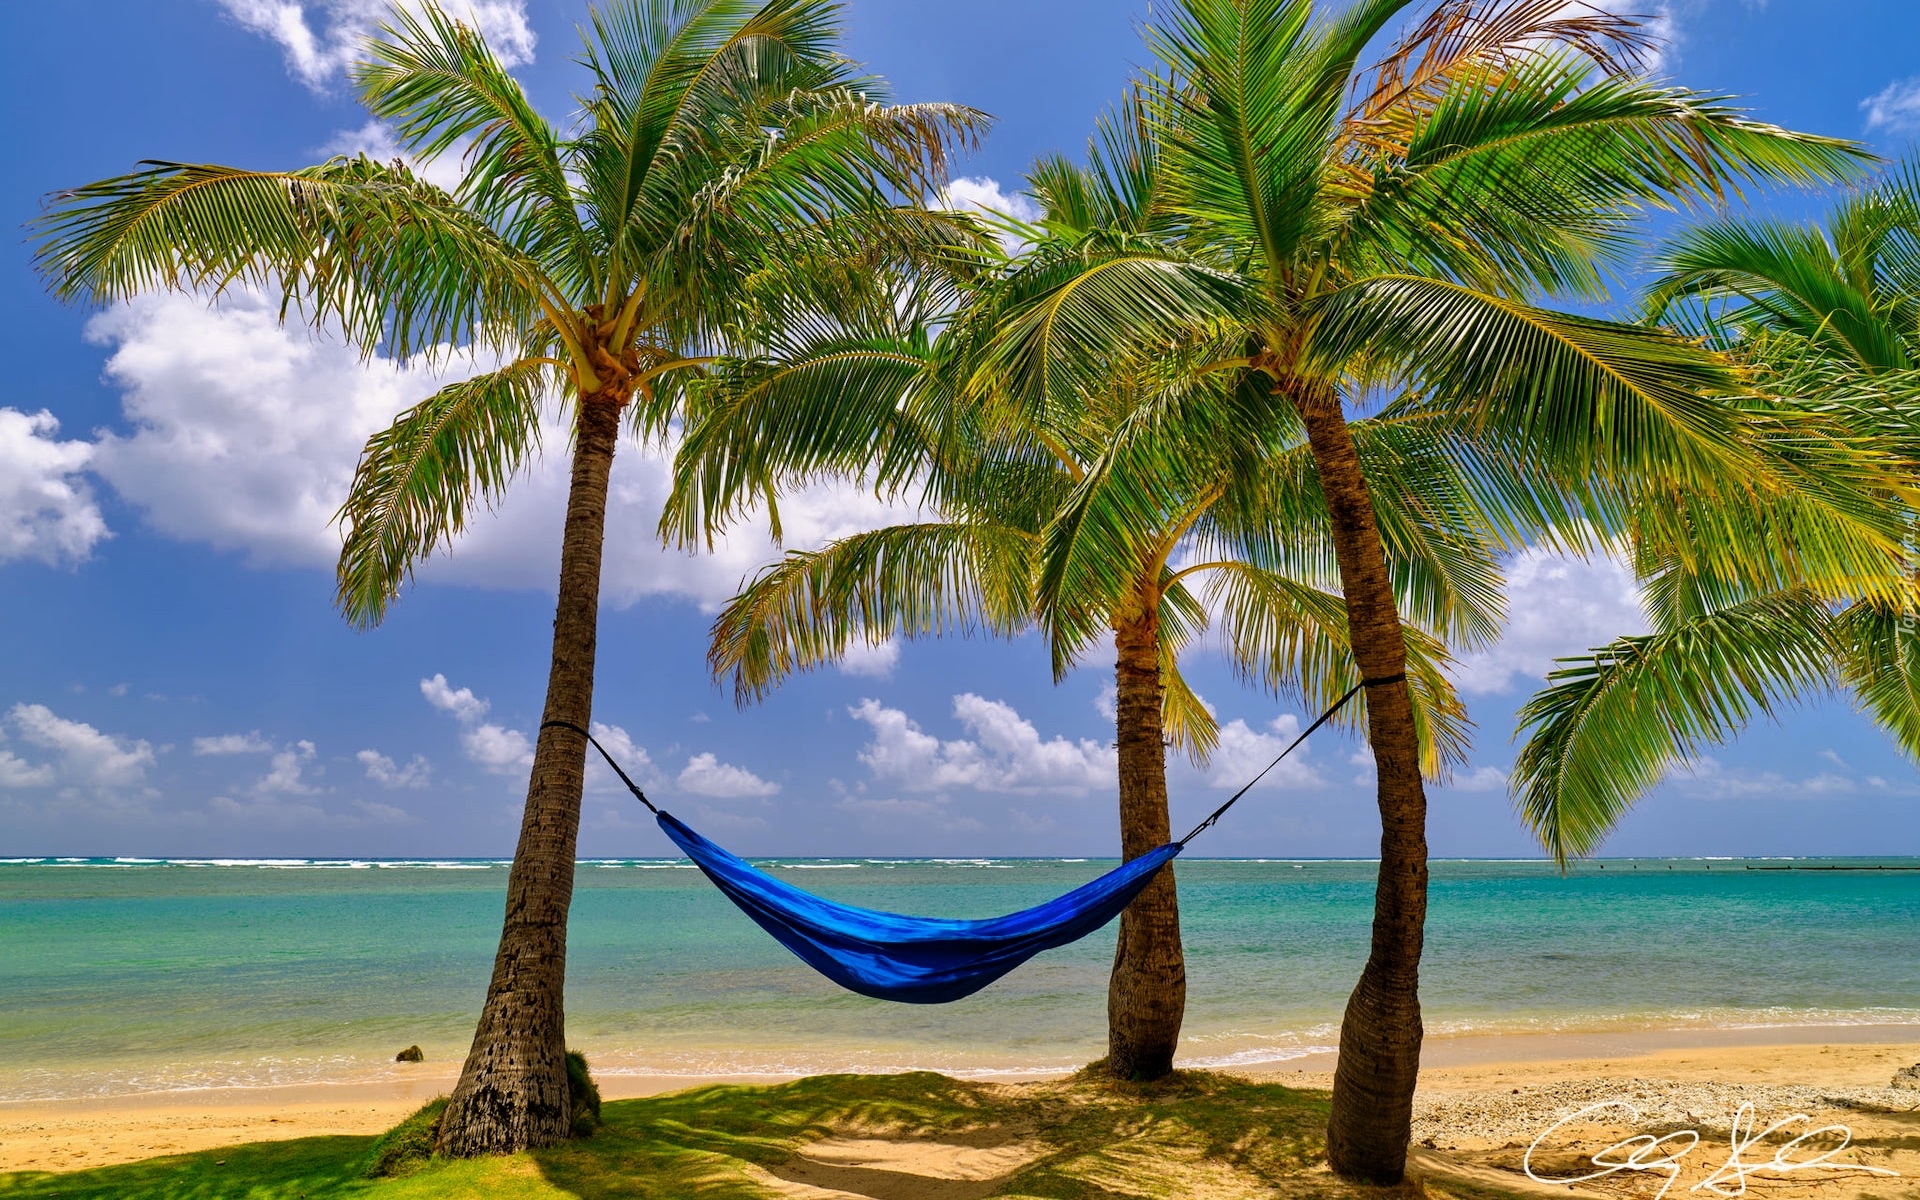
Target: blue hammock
{"points": [[924, 960], [917, 960]]}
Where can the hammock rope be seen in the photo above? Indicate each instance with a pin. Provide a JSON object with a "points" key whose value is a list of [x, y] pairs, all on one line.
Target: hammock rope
{"points": [[1306, 733], [926, 960]]}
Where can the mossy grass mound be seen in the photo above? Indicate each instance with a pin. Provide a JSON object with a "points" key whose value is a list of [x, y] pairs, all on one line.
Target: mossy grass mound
{"points": [[408, 1146], [585, 1095]]}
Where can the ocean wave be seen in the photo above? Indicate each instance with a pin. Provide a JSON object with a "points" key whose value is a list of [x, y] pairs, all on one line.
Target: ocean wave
{"points": [[1254, 1057]]}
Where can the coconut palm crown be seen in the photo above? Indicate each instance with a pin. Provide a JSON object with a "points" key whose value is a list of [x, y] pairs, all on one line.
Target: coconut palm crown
{"points": [[1130, 518], [1823, 317], [726, 161], [1342, 234]]}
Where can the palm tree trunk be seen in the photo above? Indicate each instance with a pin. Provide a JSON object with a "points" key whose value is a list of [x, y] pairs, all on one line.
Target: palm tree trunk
{"points": [[512, 1094], [1379, 1062], [1147, 994]]}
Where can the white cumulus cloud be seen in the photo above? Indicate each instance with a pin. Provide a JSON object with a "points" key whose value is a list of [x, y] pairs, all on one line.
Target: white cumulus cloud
{"points": [[500, 750], [375, 140], [243, 436], [706, 775], [47, 510], [321, 37], [979, 194], [1556, 606], [1244, 751], [497, 749], [385, 772], [983, 195], [82, 755], [463, 704], [286, 772], [17, 772], [1005, 754], [632, 757], [874, 662]]}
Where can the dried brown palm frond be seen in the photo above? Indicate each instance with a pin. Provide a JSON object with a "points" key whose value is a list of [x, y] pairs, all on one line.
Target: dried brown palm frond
{"points": [[1484, 39]]}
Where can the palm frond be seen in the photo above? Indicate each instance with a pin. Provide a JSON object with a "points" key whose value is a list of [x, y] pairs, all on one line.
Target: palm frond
{"points": [[906, 580], [1775, 276], [1610, 726], [1184, 716], [418, 480], [440, 84], [392, 258], [1290, 638], [1880, 664], [1584, 395]]}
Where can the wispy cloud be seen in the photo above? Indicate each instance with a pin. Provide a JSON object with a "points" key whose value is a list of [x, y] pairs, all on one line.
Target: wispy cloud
{"points": [[1894, 109], [706, 775], [385, 772], [226, 744]]}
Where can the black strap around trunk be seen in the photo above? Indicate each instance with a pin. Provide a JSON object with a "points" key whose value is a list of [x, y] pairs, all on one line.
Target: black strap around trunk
{"points": [[631, 785]]}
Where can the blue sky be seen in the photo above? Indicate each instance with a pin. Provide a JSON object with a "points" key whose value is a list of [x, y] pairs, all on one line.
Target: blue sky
{"points": [[173, 680]]}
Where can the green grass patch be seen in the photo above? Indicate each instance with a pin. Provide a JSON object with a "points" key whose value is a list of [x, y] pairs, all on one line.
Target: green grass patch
{"points": [[890, 1137]]}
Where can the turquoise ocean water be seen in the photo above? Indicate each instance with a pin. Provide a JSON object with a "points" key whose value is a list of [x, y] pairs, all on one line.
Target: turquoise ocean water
{"points": [[120, 976]]}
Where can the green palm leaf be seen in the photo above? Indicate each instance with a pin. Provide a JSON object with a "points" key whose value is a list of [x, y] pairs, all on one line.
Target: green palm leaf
{"points": [[1291, 638], [1609, 727], [1880, 662], [915, 580], [393, 259], [415, 486], [1586, 396]]}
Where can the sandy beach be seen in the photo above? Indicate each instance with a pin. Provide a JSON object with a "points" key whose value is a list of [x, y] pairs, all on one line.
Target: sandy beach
{"points": [[1482, 1102]]}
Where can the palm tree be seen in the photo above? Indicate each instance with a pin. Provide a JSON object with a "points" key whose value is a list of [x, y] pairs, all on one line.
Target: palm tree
{"points": [[1331, 248], [1794, 603], [1133, 514], [726, 157]]}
